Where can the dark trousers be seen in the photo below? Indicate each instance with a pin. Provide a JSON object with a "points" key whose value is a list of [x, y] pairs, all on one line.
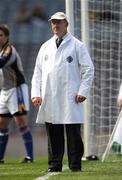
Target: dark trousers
{"points": [[56, 145]]}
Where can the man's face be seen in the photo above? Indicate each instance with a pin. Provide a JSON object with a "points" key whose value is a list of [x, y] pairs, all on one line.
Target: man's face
{"points": [[3, 38], [59, 27]]}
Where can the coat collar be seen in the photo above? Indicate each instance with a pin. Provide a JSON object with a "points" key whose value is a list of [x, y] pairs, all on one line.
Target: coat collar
{"points": [[66, 38]]}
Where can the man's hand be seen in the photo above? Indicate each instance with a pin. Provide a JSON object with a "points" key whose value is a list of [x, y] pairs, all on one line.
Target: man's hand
{"points": [[79, 99], [37, 101]]}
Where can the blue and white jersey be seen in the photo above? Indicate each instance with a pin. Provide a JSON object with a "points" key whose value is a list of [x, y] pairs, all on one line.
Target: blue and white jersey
{"points": [[11, 65]]}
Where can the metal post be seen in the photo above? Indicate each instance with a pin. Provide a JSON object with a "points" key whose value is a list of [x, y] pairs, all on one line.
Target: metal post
{"points": [[85, 39], [70, 15]]}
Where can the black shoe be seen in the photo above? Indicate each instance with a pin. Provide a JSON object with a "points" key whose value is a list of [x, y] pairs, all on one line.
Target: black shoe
{"points": [[27, 160], [92, 157], [54, 170], [1, 161], [75, 170]]}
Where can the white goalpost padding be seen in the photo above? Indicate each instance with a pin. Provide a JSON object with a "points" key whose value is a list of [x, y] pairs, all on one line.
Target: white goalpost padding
{"points": [[85, 39]]}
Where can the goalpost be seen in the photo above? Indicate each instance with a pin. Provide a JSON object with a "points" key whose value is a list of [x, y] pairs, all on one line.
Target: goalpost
{"points": [[69, 12], [104, 40]]}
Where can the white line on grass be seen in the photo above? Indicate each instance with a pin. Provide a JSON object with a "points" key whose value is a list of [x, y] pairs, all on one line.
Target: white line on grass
{"points": [[46, 176]]}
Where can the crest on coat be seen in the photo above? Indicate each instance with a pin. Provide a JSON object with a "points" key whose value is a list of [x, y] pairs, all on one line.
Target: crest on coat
{"points": [[69, 59]]}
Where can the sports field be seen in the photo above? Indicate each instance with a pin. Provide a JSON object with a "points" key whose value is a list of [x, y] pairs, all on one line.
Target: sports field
{"points": [[91, 170]]}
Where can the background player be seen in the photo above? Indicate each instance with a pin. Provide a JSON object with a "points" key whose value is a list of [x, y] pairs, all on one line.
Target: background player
{"points": [[14, 99]]}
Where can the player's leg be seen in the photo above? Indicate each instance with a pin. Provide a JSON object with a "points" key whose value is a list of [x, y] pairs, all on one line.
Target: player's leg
{"points": [[5, 117], [4, 135], [21, 122], [19, 110]]}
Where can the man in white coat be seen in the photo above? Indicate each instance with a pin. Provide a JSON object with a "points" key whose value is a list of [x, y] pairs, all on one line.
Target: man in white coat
{"points": [[61, 81]]}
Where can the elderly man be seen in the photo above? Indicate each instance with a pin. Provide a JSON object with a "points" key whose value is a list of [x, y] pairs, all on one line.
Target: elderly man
{"points": [[61, 81]]}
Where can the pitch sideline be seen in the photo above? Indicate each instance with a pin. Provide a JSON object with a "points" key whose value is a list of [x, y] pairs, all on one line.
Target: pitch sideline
{"points": [[46, 176]]}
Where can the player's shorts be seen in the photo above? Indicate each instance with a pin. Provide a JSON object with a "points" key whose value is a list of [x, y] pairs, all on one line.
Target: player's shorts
{"points": [[14, 101]]}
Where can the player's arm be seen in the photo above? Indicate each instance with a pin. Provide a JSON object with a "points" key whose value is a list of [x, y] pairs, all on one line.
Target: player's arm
{"points": [[119, 98], [5, 56]]}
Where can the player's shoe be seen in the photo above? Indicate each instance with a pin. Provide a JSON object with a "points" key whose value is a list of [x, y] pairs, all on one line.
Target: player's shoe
{"points": [[27, 160]]}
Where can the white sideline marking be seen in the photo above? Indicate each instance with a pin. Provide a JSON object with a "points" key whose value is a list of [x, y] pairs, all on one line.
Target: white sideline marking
{"points": [[46, 176]]}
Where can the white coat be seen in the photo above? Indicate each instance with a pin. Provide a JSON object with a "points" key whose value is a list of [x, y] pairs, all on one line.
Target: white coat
{"points": [[59, 75]]}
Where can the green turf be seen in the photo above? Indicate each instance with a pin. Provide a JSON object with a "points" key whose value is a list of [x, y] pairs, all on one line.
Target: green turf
{"points": [[91, 170]]}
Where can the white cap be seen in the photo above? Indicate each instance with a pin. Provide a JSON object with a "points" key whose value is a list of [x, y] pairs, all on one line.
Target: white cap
{"points": [[58, 16]]}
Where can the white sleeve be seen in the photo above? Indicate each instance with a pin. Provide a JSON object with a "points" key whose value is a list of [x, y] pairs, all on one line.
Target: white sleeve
{"points": [[86, 70], [37, 78]]}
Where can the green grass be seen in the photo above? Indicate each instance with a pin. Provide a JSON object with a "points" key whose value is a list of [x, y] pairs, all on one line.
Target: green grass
{"points": [[13, 170], [91, 170]]}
